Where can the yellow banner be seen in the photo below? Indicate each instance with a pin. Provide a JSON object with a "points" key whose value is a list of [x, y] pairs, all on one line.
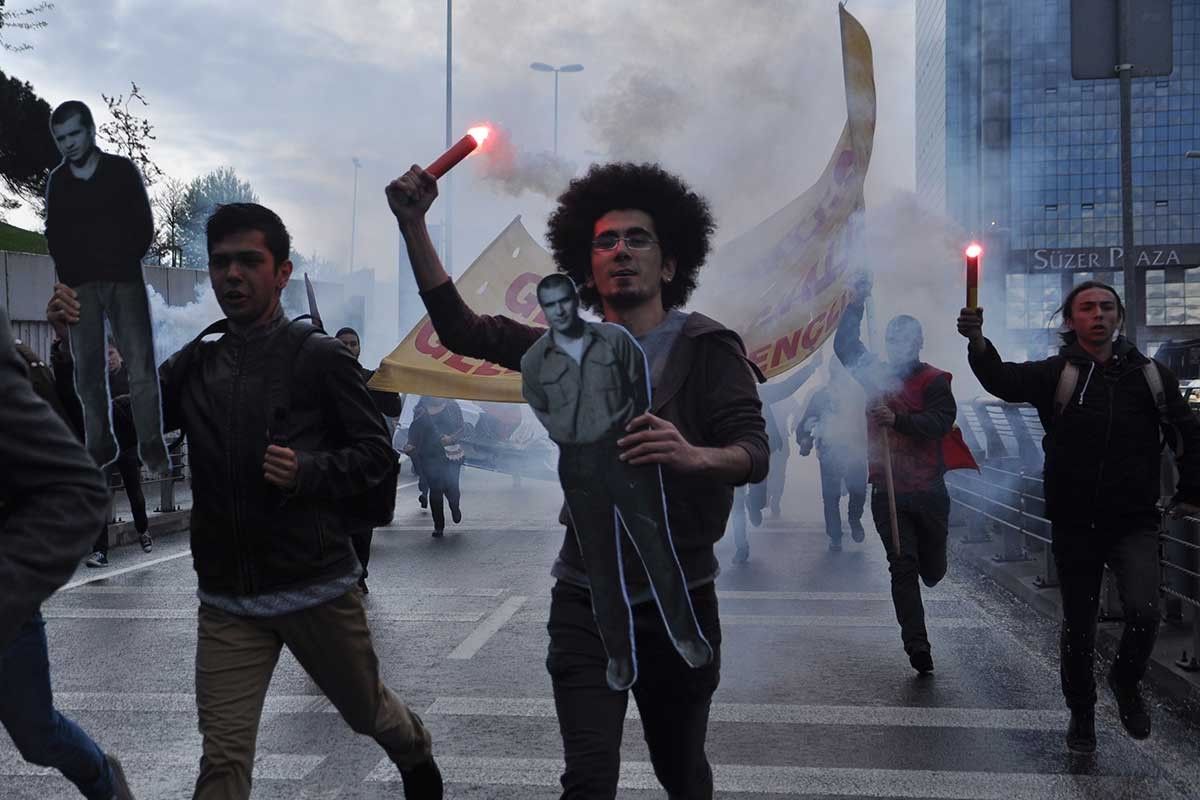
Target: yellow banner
{"points": [[503, 280], [782, 285]]}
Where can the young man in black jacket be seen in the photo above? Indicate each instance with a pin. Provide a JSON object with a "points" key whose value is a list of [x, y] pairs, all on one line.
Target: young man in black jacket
{"points": [[1103, 451], [633, 238], [269, 524]]}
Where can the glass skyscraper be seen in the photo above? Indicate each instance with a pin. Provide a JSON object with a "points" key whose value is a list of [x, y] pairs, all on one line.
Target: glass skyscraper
{"points": [[1027, 158]]}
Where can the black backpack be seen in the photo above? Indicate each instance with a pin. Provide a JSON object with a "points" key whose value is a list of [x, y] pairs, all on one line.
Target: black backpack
{"points": [[373, 508]]}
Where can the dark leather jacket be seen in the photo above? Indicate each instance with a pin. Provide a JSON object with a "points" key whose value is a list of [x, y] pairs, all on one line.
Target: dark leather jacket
{"points": [[248, 536]]}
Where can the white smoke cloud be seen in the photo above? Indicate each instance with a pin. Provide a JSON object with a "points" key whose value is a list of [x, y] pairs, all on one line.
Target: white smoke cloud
{"points": [[175, 326], [514, 171]]}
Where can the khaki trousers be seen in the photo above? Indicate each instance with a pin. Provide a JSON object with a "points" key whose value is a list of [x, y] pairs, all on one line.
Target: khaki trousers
{"points": [[235, 658]]}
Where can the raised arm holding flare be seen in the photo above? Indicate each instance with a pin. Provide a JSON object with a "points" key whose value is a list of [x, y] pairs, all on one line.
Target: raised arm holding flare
{"points": [[632, 238], [1097, 402]]}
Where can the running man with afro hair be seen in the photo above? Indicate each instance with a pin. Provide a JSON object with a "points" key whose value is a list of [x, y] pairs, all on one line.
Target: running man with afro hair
{"points": [[633, 237]]}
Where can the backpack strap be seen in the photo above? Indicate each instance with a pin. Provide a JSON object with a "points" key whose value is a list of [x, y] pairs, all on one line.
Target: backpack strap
{"points": [[1169, 435], [1067, 380], [279, 382], [1154, 381]]}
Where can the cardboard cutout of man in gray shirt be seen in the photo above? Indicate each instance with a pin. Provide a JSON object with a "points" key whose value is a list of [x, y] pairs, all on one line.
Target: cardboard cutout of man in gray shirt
{"points": [[585, 381]]}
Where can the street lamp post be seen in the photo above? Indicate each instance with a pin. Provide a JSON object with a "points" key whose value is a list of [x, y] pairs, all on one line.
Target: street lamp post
{"points": [[540, 67], [354, 210]]}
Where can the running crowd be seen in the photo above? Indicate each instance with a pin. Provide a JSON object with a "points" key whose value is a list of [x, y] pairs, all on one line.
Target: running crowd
{"points": [[292, 465]]}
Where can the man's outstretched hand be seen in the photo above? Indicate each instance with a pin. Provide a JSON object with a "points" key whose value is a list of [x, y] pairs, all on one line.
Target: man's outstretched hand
{"points": [[411, 195]]}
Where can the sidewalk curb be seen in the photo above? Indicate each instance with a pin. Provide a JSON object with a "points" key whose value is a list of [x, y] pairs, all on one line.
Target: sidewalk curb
{"points": [[124, 532], [1017, 577]]}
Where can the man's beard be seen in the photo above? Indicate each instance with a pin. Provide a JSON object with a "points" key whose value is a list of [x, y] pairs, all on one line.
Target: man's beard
{"points": [[625, 299]]}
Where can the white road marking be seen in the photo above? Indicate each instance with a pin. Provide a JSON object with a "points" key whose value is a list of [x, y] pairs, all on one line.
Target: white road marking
{"points": [[181, 702], [105, 573], [731, 594], [783, 714], [66, 612], [806, 781], [844, 622], [267, 766], [414, 592], [495, 621]]}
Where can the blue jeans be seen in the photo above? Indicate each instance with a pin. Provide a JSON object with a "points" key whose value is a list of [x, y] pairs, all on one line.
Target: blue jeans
{"points": [[42, 735], [127, 309]]}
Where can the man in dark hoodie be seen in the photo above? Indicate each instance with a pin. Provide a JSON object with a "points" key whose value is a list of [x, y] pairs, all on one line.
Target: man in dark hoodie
{"points": [[633, 238], [1103, 450]]}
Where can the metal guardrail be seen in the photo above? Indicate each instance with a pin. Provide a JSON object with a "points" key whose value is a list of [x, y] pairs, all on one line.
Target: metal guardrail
{"points": [[1007, 498], [180, 471]]}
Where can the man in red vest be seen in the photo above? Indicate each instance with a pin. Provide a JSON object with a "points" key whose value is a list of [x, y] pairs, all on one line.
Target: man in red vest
{"points": [[910, 402]]}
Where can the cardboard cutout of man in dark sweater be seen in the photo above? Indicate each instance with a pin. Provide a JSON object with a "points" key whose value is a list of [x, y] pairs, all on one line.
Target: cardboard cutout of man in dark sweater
{"points": [[585, 381], [98, 228]]}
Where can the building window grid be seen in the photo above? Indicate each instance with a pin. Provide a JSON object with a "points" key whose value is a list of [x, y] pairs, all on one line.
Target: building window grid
{"points": [[1059, 139]]}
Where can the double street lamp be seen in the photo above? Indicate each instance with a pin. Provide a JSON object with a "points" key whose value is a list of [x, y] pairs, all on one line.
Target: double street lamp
{"points": [[540, 67]]}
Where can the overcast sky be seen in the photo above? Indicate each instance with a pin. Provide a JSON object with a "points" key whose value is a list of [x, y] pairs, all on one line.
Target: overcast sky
{"points": [[742, 97]]}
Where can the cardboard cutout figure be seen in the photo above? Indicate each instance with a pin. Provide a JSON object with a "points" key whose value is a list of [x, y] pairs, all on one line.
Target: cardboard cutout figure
{"points": [[98, 227], [586, 381]]}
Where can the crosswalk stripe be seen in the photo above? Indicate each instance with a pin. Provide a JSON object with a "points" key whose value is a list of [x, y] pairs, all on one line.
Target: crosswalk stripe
{"points": [[806, 781], [732, 594], [66, 612], [182, 702], [267, 766], [415, 592], [488, 628], [784, 714], [844, 622]]}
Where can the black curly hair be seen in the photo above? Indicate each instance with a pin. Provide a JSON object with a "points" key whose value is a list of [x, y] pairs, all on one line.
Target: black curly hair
{"points": [[682, 220]]}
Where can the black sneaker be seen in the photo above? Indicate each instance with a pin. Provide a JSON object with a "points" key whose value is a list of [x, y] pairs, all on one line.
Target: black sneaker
{"points": [[456, 514], [97, 559], [147, 542], [120, 785], [422, 782], [423, 500], [921, 660], [438, 533], [1134, 714], [1081, 732]]}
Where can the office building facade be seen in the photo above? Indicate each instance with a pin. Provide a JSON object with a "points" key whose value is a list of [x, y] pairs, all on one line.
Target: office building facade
{"points": [[1027, 159]]}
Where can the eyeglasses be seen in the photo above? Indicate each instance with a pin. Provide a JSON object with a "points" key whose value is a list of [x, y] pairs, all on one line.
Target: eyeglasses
{"points": [[634, 241]]}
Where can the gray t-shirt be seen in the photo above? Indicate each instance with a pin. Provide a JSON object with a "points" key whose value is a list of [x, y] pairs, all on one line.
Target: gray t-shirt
{"points": [[657, 343]]}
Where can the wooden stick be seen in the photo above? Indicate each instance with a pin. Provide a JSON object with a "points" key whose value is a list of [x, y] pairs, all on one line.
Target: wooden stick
{"points": [[891, 487]]}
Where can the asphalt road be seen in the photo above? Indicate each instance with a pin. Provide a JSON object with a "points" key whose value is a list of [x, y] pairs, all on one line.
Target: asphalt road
{"points": [[816, 698]]}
